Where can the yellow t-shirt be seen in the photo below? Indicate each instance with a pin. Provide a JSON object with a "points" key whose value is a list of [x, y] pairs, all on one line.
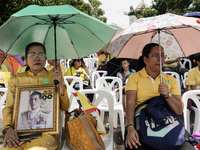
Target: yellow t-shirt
{"points": [[102, 57], [141, 82], [193, 77], [63, 69], [28, 78], [71, 71]]}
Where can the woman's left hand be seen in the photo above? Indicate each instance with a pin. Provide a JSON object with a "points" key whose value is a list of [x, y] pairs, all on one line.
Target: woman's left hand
{"points": [[163, 89]]}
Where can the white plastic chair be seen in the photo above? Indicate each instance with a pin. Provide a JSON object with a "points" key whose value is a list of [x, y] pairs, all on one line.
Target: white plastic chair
{"points": [[175, 75], [96, 75], [102, 84], [184, 78], [2, 100], [184, 61], [69, 61], [186, 113], [98, 96], [70, 82], [91, 63]]}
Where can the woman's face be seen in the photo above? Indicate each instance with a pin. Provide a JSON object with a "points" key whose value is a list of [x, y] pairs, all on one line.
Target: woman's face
{"points": [[153, 61], [36, 59], [125, 64], [77, 63]]}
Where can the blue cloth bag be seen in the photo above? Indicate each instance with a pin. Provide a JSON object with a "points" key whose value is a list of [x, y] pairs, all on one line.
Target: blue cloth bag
{"points": [[160, 127]]}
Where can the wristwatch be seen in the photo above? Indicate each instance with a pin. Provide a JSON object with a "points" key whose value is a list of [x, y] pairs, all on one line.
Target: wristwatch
{"points": [[169, 95]]}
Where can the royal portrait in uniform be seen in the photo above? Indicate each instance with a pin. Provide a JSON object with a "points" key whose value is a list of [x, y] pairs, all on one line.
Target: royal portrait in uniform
{"points": [[36, 109]]}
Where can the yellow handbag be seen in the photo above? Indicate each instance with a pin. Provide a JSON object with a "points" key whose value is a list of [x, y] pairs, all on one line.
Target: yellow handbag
{"points": [[81, 133]]}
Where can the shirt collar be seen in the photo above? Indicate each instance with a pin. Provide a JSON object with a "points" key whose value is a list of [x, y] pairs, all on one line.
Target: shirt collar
{"points": [[144, 74], [40, 73]]}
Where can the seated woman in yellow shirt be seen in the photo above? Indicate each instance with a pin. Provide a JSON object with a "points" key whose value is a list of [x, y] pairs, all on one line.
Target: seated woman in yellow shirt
{"points": [[103, 60]]}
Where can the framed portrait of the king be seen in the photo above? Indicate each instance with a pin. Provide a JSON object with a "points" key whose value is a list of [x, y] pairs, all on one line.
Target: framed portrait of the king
{"points": [[36, 109]]}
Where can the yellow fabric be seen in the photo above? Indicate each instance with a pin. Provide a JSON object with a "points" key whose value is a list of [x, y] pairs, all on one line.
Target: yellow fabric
{"points": [[63, 69], [46, 142], [21, 69], [3, 68], [27, 78], [4, 77], [193, 77], [141, 82], [102, 57], [173, 65], [71, 71]]}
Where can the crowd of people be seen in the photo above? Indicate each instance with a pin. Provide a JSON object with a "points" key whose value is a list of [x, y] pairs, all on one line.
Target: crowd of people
{"points": [[146, 80]]}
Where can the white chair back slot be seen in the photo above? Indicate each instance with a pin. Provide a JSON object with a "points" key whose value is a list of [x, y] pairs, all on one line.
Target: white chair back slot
{"points": [[193, 95], [175, 75], [184, 61], [69, 61], [184, 78], [96, 75], [91, 63], [70, 81]]}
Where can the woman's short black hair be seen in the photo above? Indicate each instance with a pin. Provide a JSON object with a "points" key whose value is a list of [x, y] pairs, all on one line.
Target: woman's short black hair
{"points": [[29, 46], [145, 53], [197, 57]]}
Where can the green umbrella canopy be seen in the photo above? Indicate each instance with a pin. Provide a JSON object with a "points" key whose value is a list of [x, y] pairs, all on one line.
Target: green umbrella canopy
{"points": [[77, 34]]}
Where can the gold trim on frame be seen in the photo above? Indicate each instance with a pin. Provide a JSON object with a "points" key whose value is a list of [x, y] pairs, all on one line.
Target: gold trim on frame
{"points": [[56, 113]]}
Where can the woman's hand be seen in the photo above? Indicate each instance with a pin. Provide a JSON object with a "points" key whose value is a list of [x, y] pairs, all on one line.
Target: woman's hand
{"points": [[163, 89], [132, 138], [11, 138], [81, 72], [58, 76]]}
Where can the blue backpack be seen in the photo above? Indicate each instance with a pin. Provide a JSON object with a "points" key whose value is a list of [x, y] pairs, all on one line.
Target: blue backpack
{"points": [[160, 127]]}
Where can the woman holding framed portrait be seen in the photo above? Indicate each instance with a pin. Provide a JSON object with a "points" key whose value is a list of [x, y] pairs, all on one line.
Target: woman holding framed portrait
{"points": [[31, 99]]}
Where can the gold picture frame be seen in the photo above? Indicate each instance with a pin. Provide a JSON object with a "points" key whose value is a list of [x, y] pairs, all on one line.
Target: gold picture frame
{"points": [[37, 109]]}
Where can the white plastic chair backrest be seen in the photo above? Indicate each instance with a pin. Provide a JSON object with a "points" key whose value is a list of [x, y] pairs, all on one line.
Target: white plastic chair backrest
{"points": [[114, 82], [176, 76], [2, 100], [191, 95], [184, 78], [69, 61], [184, 61], [93, 55], [91, 63], [96, 75], [98, 96], [70, 84]]}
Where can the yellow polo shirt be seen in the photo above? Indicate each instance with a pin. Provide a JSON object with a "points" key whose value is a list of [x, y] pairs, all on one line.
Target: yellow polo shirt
{"points": [[147, 88], [102, 58], [193, 77], [71, 71]]}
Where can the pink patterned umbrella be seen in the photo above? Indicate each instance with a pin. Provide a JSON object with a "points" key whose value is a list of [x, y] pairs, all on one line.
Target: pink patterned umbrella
{"points": [[179, 36]]}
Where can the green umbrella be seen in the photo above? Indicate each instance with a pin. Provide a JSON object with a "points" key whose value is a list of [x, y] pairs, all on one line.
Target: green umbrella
{"points": [[65, 31]]}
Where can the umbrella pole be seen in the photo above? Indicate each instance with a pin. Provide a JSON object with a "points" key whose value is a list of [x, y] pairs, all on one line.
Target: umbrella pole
{"points": [[54, 24]]}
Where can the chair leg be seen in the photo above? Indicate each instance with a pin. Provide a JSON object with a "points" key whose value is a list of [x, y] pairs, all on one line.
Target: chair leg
{"points": [[121, 116], [115, 119]]}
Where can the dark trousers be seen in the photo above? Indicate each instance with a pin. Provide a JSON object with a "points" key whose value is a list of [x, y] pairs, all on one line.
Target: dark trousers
{"points": [[185, 146]]}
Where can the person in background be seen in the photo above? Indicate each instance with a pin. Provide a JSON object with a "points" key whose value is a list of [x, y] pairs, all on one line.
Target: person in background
{"points": [[124, 74], [146, 84], [35, 74], [51, 66], [193, 78], [79, 69], [103, 60]]}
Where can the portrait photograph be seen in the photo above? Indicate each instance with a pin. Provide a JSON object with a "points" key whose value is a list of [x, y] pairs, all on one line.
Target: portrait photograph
{"points": [[36, 109]]}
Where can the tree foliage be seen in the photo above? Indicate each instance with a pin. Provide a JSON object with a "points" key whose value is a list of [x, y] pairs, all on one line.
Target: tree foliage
{"points": [[9, 7], [158, 7]]}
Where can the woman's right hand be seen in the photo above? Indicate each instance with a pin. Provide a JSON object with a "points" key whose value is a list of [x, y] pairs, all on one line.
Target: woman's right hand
{"points": [[11, 138], [132, 138]]}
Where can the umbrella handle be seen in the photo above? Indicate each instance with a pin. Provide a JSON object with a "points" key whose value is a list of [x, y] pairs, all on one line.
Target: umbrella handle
{"points": [[56, 82]]}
